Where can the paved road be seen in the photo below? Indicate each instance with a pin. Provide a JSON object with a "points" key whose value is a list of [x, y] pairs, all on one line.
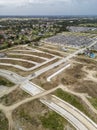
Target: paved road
{"points": [[56, 73], [11, 76], [63, 60], [78, 119], [66, 111], [28, 69]]}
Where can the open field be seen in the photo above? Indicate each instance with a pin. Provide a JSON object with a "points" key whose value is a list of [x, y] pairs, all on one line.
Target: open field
{"points": [[30, 58], [20, 63], [75, 101], [68, 74], [47, 64], [51, 52], [34, 115], [93, 101], [13, 69], [40, 54], [75, 80], [59, 48], [80, 77], [26, 73], [42, 79], [14, 97]]}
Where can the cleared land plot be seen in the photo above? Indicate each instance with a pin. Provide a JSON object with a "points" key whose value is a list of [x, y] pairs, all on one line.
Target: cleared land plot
{"points": [[13, 69], [20, 47], [74, 78], [51, 51], [45, 55], [3, 122], [47, 64], [5, 82], [77, 83], [20, 63], [59, 48], [42, 79], [30, 58], [56, 52], [36, 116], [14, 97], [23, 73]]}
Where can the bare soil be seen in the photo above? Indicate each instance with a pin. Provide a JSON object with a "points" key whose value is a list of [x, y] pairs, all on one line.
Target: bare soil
{"points": [[30, 58], [14, 97], [24, 73], [45, 55], [21, 63], [47, 64], [51, 52], [28, 116], [13, 69], [42, 79], [89, 87], [74, 78], [58, 48]]}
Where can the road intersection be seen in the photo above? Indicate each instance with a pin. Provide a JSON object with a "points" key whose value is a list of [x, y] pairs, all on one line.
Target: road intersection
{"points": [[73, 115]]}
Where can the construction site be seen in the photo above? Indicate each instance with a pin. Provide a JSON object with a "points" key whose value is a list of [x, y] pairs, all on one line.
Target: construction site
{"points": [[52, 86]]}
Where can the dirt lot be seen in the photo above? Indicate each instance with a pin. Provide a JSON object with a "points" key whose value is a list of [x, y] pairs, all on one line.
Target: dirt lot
{"points": [[74, 78], [13, 69], [67, 77], [36, 116], [50, 46], [14, 97], [54, 52], [21, 63], [42, 79], [47, 64], [24, 73], [31, 58], [58, 48], [45, 55]]}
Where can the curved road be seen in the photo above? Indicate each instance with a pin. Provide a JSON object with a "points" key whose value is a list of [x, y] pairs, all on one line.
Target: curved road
{"points": [[73, 115]]}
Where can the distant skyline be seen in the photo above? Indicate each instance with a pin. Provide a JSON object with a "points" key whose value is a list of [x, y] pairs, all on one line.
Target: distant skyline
{"points": [[48, 7]]}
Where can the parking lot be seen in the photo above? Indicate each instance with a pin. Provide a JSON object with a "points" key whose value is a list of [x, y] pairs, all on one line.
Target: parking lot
{"points": [[75, 40]]}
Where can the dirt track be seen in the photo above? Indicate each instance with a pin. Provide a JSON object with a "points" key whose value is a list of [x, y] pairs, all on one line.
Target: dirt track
{"points": [[7, 110]]}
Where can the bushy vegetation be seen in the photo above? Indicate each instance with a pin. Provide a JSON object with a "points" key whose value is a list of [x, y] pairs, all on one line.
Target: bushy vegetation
{"points": [[5, 82], [93, 101], [3, 122], [75, 101], [53, 121]]}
